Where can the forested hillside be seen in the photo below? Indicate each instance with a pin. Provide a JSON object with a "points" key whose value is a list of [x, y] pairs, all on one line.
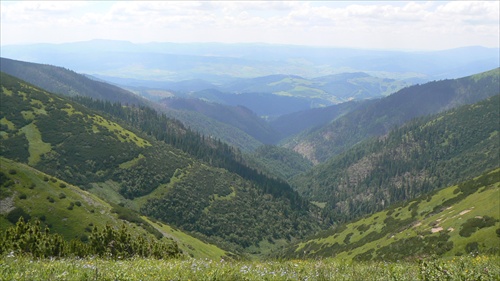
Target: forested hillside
{"points": [[303, 121], [377, 118], [238, 117], [428, 153], [142, 160], [278, 161], [66, 82], [463, 219]]}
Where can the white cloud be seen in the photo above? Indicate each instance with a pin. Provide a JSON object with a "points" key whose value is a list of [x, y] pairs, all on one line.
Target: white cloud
{"points": [[366, 24]]}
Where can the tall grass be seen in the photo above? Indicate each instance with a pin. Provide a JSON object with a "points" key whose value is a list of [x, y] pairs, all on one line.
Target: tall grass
{"points": [[460, 268]]}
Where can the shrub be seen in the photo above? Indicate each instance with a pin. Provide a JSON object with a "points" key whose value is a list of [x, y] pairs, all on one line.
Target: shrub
{"points": [[62, 195], [17, 213], [474, 224], [23, 196], [62, 185], [472, 248]]}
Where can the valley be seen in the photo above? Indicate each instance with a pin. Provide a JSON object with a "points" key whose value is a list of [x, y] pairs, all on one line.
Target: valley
{"points": [[252, 169]]}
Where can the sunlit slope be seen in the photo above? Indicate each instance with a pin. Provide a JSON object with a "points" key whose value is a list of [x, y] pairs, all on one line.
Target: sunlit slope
{"points": [[128, 165], [73, 212], [456, 220]]}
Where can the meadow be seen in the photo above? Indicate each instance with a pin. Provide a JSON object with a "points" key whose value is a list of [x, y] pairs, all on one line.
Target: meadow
{"points": [[459, 268]]}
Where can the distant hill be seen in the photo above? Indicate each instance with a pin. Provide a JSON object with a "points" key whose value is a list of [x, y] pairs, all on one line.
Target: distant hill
{"points": [[377, 118], [294, 123], [458, 220], [144, 162], [423, 155], [66, 82], [324, 90], [263, 104], [215, 62], [237, 116], [280, 162]]}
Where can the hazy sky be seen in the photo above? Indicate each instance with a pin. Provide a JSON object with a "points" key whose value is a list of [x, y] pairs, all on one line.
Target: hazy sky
{"points": [[393, 24]]}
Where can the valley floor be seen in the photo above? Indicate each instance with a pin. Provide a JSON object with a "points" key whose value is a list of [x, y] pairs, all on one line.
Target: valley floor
{"points": [[459, 268]]}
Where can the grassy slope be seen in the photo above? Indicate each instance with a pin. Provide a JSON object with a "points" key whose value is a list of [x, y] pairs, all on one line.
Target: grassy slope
{"points": [[92, 212], [416, 221], [120, 166]]}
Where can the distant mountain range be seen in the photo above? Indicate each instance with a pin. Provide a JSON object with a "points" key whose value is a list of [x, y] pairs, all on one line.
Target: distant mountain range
{"points": [[215, 62]]}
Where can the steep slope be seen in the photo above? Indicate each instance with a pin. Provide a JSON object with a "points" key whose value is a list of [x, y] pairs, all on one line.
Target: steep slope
{"points": [[235, 116], [423, 155], [378, 118], [66, 82], [263, 104], [457, 220], [294, 123], [125, 166], [214, 129], [73, 212], [280, 162]]}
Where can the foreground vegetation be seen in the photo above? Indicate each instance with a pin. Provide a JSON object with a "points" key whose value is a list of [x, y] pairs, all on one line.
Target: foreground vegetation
{"points": [[463, 268]]}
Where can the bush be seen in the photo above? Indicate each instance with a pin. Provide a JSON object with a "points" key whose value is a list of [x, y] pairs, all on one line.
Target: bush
{"points": [[472, 248], [17, 213], [23, 196], [62, 195], [474, 224], [62, 185]]}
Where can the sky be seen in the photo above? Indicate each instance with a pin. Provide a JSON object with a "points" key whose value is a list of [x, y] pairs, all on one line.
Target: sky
{"points": [[392, 25]]}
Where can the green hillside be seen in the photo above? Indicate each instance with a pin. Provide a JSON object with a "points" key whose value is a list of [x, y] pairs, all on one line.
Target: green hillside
{"points": [[73, 213], [323, 91], [162, 170], [65, 82], [457, 220], [378, 118], [421, 156], [280, 162]]}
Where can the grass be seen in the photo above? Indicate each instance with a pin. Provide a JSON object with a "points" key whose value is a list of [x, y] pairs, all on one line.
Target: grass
{"points": [[38, 187], [36, 145], [188, 244], [122, 134], [92, 210], [421, 220], [131, 163], [463, 268]]}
